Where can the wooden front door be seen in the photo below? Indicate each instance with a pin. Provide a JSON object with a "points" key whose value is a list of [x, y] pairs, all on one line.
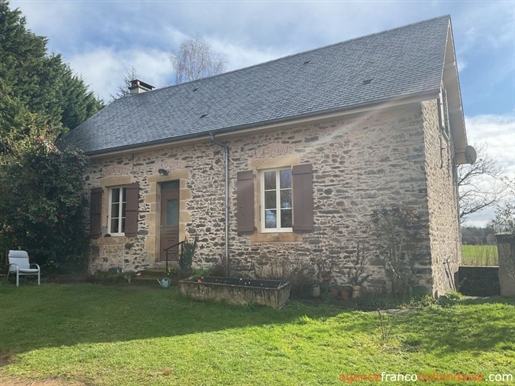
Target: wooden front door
{"points": [[169, 219]]}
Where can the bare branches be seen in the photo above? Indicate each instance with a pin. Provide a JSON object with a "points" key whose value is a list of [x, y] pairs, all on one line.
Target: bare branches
{"points": [[482, 184], [123, 90], [196, 59]]}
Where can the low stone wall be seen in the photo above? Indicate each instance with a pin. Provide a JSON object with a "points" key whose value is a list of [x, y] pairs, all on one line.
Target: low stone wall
{"points": [[506, 252], [478, 281]]}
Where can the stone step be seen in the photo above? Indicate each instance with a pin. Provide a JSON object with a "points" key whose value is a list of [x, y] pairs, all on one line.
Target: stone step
{"points": [[152, 272], [149, 279]]}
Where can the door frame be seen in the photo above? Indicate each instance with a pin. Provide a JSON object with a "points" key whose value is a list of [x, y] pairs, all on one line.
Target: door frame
{"points": [[160, 256], [153, 200]]}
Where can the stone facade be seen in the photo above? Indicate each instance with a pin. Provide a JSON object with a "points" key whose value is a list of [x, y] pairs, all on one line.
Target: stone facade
{"points": [[442, 196], [361, 162]]}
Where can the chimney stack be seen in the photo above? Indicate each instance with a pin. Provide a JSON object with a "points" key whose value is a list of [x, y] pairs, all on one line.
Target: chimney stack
{"points": [[139, 87]]}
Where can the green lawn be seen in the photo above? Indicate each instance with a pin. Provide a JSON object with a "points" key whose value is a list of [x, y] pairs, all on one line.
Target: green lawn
{"points": [[479, 255], [107, 335]]}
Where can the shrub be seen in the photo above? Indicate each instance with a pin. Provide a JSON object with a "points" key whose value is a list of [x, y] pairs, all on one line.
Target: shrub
{"points": [[188, 251], [43, 206], [397, 230]]}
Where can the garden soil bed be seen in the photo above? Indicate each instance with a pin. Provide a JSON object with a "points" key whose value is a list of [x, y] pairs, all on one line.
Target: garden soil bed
{"points": [[272, 293]]}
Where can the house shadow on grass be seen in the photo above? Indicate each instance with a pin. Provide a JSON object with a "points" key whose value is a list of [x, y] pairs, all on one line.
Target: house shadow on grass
{"points": [[51, 315], [66, 315]]}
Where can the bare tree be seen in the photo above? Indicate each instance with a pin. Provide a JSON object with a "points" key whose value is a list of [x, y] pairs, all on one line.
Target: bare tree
{"points": [[481, 184], [196, 59], [123, 90]]}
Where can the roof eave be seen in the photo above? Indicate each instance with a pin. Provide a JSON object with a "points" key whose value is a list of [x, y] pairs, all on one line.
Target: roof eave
{"points": [[271, 124], [451, 81]]}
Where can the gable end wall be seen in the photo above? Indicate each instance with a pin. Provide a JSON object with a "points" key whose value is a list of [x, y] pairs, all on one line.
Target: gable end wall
{"points": [[444, 226]]}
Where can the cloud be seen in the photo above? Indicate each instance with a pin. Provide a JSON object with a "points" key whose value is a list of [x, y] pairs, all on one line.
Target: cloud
{"points": [[462, 65], [498, 133], [104, 68]]}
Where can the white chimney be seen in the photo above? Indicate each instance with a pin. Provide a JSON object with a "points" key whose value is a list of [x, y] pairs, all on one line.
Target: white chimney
{"points": [[138, 87]]}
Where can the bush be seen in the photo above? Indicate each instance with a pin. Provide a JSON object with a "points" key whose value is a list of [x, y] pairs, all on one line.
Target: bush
{"points": [[398, 231], [43, 206], [186, 258]]}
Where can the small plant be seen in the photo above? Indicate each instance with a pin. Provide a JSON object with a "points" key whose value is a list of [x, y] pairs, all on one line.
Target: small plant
{"points": [[173, 271], [301, 278], [201, 272], [218, 269], [188, 251], [334, 290], [449, 299], [356, 274], [385, 324]]}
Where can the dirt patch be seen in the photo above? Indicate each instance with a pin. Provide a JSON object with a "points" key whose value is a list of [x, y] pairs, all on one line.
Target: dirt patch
{"points": [[5, 359], [44, 382]]}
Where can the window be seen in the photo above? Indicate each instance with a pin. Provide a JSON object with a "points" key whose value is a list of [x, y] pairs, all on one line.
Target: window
{"points": [[117, 210], [285, 200], [277, 200], [122, 204], [443, 112]]}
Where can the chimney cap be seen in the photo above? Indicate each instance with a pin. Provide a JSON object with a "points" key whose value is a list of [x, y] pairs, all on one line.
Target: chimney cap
{"points": [[137, 86]]}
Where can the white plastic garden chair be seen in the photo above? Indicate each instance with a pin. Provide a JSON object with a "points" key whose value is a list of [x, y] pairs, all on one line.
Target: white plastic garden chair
{"points": [[19, 265]]}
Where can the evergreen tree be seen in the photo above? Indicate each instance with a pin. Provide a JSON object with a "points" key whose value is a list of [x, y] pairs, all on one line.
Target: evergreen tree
{"points": [[43, 203], [37, 89]]}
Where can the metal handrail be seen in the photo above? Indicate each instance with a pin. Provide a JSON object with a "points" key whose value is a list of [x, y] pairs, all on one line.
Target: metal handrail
{"points": [[166, 250]]}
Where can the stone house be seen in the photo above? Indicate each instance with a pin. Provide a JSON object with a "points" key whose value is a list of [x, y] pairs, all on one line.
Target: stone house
{"points": [[286, 160]]}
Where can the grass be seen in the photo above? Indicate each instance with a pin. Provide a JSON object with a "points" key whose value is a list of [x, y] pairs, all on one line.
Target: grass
{"points": [[479, 255], [119, 335]]}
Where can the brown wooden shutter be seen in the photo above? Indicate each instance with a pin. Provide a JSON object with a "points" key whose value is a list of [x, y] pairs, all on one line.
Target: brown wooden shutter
{"points": [[95, 213], [245, 201], [131, 209], [302, 198]]}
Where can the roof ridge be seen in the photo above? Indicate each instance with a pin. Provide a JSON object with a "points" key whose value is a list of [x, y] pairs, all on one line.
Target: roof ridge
{"points": [[406, 62], [299, 53]]}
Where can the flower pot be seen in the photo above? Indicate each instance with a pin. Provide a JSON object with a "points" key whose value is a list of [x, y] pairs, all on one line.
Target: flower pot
{"points": [[345, 293], [356, 291], [334, 292], [316, 291]]}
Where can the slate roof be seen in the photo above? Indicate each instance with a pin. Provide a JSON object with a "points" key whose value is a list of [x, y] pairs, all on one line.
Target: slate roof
{"points": [[400, 62]]}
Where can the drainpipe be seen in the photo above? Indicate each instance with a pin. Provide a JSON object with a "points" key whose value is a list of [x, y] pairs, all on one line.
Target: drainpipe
{"points": [[226, 148]]}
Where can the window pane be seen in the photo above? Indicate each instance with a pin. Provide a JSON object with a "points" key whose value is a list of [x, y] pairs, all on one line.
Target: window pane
{"points": [[270, 200], [123, 225], [115, 195], [286, 218], [285, 178], [269, 180], [270, 218], [123, 209], [286, 198], [115, 210], [170, 185], [114, 225], [172, 212], [124, 194]]}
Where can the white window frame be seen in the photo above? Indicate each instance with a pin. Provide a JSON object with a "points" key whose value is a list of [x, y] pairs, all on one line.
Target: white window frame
{"points": [[119, 231], [443, 112], [278, 201]]}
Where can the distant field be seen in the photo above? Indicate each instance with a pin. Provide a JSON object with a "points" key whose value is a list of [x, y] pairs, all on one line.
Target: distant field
{"points": [[479, 255]]}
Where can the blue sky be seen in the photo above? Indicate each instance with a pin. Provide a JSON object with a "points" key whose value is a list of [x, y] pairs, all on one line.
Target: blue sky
{"points": [[102, 40]]}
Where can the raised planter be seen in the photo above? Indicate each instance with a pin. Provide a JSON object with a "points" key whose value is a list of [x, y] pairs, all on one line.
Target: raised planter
{"points": [[272, 293]]}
